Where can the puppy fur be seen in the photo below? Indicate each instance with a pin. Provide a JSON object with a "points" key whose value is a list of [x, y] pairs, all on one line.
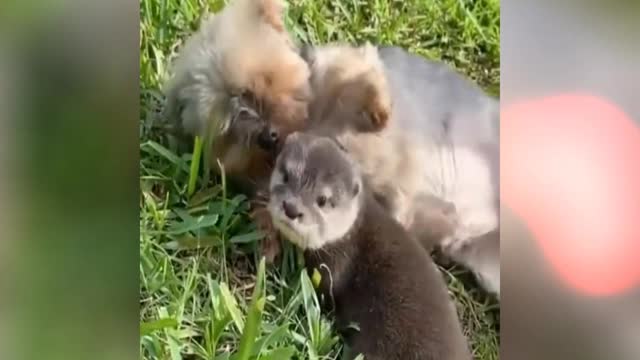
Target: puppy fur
{"points": [[453, 127], [352, 103], [241, 52], [349, 86], [439, 119], [239, 77], [440, 141]]}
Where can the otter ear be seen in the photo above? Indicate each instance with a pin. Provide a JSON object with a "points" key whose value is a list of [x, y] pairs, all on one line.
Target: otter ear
{"points": [[272, 12]]}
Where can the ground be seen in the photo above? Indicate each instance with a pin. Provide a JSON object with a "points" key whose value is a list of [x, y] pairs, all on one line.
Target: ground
{"points": [[198, 297]]}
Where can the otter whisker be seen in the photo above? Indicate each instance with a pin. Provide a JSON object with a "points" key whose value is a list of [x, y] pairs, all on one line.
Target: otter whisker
{"points": [[333, 301]]}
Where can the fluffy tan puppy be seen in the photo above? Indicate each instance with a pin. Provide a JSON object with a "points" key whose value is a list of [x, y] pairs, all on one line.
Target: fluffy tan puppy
{"points": [[240, 80], [352, 104], [434, 163]]}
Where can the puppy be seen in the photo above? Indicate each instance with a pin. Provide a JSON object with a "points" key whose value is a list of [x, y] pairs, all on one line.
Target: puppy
{"points": [[440, 125], [440, 141], [352, 103], [350, 89], [374, 274], [240, 82], [455, 126]]}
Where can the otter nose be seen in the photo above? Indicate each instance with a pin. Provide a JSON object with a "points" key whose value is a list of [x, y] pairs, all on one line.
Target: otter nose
{"points": [[268, 139], [291, 211]]}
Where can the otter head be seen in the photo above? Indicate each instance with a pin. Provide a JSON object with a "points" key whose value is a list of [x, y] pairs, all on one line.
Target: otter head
{"points": [[315, 191]]}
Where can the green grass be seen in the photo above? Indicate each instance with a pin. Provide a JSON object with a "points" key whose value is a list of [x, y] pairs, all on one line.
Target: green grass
{"points": [[202, 293]]}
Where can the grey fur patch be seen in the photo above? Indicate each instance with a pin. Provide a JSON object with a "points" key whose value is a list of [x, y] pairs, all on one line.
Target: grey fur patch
{"points": [[313, 163]]}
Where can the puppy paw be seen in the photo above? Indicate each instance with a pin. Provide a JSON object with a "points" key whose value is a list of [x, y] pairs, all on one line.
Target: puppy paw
{"points": [[380, 114], [270, 245], [272, 13], [451, 245], [378, 105], [434, 222]]}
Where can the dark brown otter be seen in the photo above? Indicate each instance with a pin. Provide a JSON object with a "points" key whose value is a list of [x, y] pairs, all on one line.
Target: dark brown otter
{"points": [[373, 274]]}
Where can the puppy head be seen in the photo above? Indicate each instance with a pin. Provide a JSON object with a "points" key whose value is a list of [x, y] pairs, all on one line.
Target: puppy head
{"points": [[240, 66], [315, 191], [349, 84]]}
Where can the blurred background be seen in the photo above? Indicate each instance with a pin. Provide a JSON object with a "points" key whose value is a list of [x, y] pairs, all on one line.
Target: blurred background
{"points": [[69, 74], [68, 188], [570, 149]]}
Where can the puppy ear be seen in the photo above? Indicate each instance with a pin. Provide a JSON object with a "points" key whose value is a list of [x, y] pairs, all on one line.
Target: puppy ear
{"points": [[272, 12]]}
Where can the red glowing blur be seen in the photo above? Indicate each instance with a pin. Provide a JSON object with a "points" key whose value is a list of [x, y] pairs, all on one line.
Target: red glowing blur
{"points": [[570, 168]]}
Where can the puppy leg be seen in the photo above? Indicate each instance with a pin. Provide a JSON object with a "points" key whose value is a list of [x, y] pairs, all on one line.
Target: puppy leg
{"points": [[427, 218], [476, 219], [396, 203], [272, 13], [377, 97], [270, 245], [482, 256], [378, 100], [432, 220]]}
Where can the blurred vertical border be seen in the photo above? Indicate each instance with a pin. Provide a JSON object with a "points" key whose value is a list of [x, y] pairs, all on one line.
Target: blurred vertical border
{"points": [[68, 183], [570, 180]]}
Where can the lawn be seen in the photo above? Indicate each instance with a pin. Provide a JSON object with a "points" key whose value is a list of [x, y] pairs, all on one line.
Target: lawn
{"points": [[202, 295]]}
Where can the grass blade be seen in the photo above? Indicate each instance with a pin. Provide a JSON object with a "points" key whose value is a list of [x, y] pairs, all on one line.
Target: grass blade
{"points": [[189, 242], [284, 353], [246, 238], [148, 327], [232, 306], [311, 306], [254, 318], [195, 224], [152, 146], [195, 166]]}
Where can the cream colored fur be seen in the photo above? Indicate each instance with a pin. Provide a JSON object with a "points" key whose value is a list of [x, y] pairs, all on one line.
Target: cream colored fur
{"points": [[242, 47], [402, 166]]}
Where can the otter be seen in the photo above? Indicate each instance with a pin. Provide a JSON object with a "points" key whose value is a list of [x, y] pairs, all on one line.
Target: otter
{"points": [[374, 275]]}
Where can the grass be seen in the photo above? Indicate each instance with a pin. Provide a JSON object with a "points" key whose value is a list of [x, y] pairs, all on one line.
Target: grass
{"points": [[203, 292]]}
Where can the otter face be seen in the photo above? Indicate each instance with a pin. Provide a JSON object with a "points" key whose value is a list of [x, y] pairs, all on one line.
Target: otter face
{"points": [[315, 191]]}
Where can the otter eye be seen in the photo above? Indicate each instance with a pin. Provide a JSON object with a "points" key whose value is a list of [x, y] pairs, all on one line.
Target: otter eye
{"points": [[285, 177], [322, 200]]}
